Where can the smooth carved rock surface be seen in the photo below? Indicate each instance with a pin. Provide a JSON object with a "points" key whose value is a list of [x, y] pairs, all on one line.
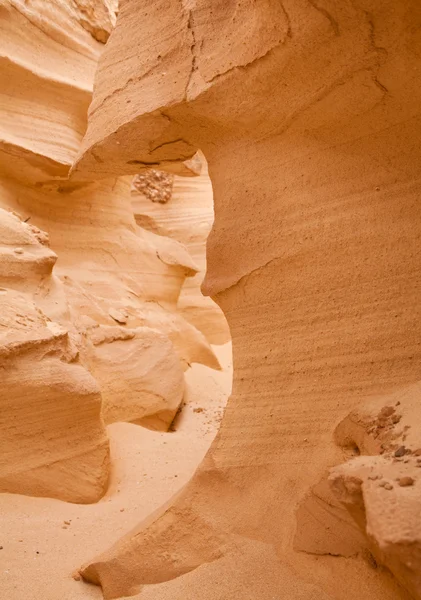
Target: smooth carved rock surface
{"points": [[45, 51], [309, 120], [187, 216], [114, 288], [151, 391], [324, 526]]}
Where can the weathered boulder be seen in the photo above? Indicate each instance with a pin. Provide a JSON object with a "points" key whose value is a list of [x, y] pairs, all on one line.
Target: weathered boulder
{"points": [[152, 387], [53, 442], [381, 488]]}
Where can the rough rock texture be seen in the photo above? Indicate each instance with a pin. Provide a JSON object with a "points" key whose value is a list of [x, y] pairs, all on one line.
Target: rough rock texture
{"points": [[187, 216], [52, 442], [97, 16], [153, 185], [381, 489], [115, 287], [308, 115]]}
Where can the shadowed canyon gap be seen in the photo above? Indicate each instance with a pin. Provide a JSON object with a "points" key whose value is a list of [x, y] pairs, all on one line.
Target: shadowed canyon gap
{"points": [[308, 116]]}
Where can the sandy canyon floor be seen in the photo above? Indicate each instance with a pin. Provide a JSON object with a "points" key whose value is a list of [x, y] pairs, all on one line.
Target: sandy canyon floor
{"points": [[43, 541]]}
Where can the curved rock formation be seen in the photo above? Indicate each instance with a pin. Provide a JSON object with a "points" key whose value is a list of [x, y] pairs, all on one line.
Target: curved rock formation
{"points": [[308, 115], [152, 388], [182, 209], [48, 62], [53, 442], [115, 287]]}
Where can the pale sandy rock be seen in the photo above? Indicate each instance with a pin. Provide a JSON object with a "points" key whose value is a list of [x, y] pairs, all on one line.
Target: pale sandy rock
{"points": [[103, 281], [107, 268], [97, 16], [325, 527], [43, 382], [310, 124], [108, 263], [148, 467], [194, 165], [142, 380], [383, 493], [118, 315], [49, 402], [53, 437], [384, 499], [24, 254], [249, 570], [187, 216], [47, 65]]}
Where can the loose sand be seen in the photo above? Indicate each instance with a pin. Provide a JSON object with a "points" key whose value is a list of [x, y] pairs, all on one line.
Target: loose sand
{"points": [[43, 541]]}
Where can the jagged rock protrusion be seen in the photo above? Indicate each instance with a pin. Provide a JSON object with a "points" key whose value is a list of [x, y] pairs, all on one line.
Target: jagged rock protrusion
{"points": [[382, 488], [44, 382]]}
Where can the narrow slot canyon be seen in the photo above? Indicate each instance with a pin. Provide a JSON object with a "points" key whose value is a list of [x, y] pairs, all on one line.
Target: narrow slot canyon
{"points": [[210, 288], [115, 368]]}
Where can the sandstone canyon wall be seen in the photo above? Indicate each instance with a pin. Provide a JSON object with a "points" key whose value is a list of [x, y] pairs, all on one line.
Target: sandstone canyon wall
{"points": [[183, 210], [91, 330], [308, 115]]}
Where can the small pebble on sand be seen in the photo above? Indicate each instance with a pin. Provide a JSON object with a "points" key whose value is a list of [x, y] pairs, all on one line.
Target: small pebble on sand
{"points": [[405, 481], [401, 451]]}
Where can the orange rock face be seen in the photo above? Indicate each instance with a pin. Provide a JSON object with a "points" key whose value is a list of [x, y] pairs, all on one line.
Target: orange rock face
{"points": [[308, 115]]}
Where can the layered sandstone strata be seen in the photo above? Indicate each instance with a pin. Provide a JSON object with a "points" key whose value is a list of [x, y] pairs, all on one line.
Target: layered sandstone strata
{"points": [[53, 442], [115, 287], [308, 115], [182, 209]]}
